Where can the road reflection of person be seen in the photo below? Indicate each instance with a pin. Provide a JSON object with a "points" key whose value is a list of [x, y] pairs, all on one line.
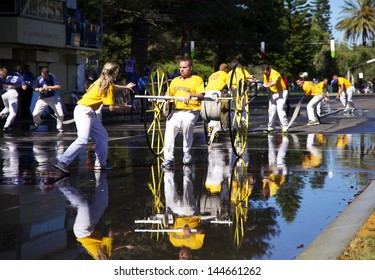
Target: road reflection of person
{"points": [[217, 173], [88, 215], [277, 167], [185, 213], [314, 156]]}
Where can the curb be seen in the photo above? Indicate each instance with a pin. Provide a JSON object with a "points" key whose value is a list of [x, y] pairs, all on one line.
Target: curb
{"points": [[330, 244]]}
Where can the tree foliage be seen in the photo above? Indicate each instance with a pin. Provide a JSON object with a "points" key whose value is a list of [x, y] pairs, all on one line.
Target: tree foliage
{"points": [[296, 33], [359, 20]]}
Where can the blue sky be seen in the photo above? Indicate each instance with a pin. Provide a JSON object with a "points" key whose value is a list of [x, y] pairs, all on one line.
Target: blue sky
{"points": [[335, 15]]}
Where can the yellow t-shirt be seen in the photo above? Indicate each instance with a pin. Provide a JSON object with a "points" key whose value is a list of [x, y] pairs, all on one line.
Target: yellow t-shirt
{"points": [[342, 81], [194, 241], [322, 86], [94, 242], [239, 75], [213, 189], [276, 180], [275, 76], [217, 80], [181, 88], [93, 99], [311, 89], [310, 161]]}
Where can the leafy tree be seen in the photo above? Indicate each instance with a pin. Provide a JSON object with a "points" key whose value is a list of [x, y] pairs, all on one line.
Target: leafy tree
{"points": [[360, 20]]}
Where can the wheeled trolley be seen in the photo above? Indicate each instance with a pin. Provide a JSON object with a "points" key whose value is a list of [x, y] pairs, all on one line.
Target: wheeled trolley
{"points": [[229, 107]]}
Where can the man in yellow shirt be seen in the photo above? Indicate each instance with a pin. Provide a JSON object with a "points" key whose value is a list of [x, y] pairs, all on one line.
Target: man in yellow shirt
{"points": [[217, 82], [345, 93], [316, 93], [185, 114], [277, 95], [323, 85]]}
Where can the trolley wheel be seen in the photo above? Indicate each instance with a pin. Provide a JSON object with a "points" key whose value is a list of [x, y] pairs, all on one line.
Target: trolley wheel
{"points": [[240, 191], [238, 110], [153, 117], [223, 118], [154, 184]]}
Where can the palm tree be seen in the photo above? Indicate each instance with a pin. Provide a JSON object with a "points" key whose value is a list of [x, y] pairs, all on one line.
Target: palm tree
{"points": [[360, 20]]}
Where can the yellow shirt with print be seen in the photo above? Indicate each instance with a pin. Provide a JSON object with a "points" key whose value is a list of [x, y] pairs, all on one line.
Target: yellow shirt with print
{"points": [[275, 76], [217, 80], [342, 81], [194, 241], [93, 99], [180, 88], [311, 89]]}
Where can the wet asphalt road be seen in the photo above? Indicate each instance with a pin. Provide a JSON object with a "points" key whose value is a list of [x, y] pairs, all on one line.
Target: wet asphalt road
{"points": [[319, 170]]}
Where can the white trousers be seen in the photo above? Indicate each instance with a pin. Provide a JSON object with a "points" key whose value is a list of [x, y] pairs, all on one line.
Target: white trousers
{"points": [[88, 214], [276, 107], [55, 103], [179, 119], [312, 107], [181, 204], [88, 126], [276, 158], [10, 100], [346, 98]]}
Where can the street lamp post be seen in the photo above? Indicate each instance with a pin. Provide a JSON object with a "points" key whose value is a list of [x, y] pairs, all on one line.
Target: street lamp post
{"points": [[350, 76]]}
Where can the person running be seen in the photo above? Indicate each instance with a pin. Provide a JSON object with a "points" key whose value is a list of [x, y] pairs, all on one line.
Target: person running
{"points": [[12, 85], [345, 93], [48, 87], [185, 114], [316, 93], [87, 123], [277, 95]]}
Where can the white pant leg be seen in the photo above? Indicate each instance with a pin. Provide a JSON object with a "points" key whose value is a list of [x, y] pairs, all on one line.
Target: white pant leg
{"points": [[271, 151], [173, 125], [5, 110], [271, 113], [281, 153], [99, 136], [280, 105], [343, 98], [55, 103], [39, 108], [349, 92], [188, 124], [11, 102], [311, 107], [83, 117], [314, 150]]}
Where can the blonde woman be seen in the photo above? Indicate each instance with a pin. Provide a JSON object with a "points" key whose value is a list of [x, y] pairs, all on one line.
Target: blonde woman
{"points": [[87, 123]]}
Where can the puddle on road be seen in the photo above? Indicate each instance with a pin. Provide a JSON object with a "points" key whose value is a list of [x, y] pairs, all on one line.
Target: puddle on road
{"points": [[269, 204]]}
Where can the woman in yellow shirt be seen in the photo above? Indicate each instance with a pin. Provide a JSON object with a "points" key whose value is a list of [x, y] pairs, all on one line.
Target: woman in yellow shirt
{"points": [[87, 123]]}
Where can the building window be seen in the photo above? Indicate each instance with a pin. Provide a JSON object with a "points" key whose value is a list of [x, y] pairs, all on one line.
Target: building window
{"points": [[46, 9]]}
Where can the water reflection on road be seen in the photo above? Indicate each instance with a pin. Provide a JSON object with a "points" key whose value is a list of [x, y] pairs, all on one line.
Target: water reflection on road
{"points": [[269, 204]]}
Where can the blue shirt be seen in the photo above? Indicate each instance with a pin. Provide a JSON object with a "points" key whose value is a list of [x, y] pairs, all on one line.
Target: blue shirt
{"points": [[16, 80], [2, 81], [51, 81]]}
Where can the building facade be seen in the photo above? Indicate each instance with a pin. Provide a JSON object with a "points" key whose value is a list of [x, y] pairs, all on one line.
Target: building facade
{"points": [[49, 33]]}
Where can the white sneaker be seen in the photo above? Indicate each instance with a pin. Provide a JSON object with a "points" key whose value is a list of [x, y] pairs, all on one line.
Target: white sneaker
{"points": [[187, 159], [167, 163]]}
